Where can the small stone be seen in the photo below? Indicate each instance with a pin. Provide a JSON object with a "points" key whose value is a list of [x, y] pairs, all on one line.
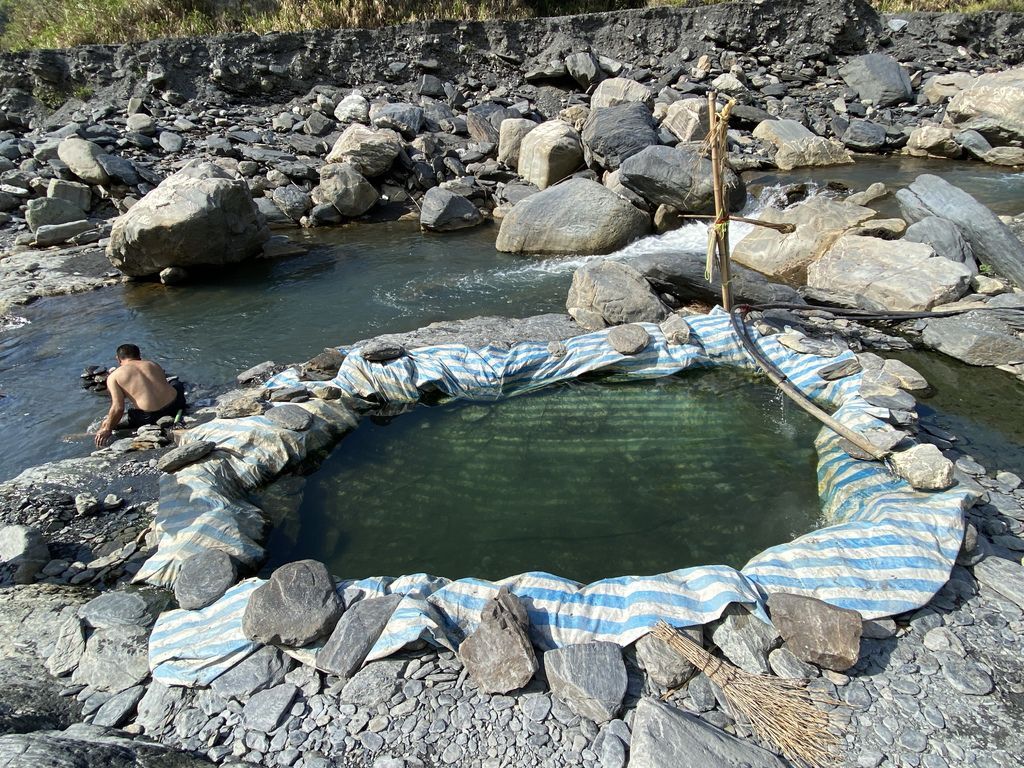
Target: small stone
{"points": [[265, 710], [68, 648], [676, 329], [628, 339], [119, 708], [113, 609], [924, 467], [967, 677], [87, 505], [257, 372], [373, 684], [663, 664], [265, 668], [785, 664], [290, 416], [189, 453], [381, 351]]}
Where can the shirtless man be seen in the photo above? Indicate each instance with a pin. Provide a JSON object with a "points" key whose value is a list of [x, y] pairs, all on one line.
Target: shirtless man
{"points": [[145, 384]]}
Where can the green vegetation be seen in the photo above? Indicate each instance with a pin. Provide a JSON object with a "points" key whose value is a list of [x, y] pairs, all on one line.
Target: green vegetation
{"points": [[65, 23]]}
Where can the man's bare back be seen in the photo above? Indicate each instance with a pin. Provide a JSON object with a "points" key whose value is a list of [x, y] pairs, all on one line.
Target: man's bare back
{"points": [[145, 384]]}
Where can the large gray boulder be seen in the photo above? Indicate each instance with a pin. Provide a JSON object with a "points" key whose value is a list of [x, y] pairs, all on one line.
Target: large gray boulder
{"points": [[945, 238], [607, 293], [817, 632], [354, 635], [877, 78], [589, 677], [83, 158], [407, 119], [612, 134], [295, 607], [344, 187], [510, 139], [549, 153], [688, 119], [199, 215], [115, 659], [498, 654], [371, 151], [578, 216], [441, 210], [90, 746], [818, 223], [680, 178], [620, 90], [263, 669], [978, 338], [47, 211], [484, 121], [991, 240], [681, 273], [993, 105], [666, 736], [877, 274], [796, 147]]}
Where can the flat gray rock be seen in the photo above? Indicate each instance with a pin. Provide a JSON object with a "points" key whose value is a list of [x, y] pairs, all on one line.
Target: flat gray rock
{"points": [[265, 710], [976, 338], [116, 609], [68, 648], [158, 705], [355, 634], [204, 578], [189, 453], [991, 240], [589, 677], [115, 658], [23, 552], [87, 746], [263, 669], [290, 416], [295, 607], [664, 736], [441, 210], [1002, 576], [373, 684], [119, 708]]}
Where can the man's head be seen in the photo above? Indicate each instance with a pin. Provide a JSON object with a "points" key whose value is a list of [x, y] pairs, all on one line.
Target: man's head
{"points": [[128, 352]]}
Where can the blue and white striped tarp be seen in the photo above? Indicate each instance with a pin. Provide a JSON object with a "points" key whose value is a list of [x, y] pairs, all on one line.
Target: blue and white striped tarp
{"points": [[889, 549]]}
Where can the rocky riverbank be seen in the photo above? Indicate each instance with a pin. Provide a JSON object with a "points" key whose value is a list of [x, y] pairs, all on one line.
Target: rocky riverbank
{"points": [[577, 135]]}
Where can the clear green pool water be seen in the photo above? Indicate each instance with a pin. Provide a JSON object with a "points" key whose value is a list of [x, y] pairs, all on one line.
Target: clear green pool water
{"points": [[587, 480]]}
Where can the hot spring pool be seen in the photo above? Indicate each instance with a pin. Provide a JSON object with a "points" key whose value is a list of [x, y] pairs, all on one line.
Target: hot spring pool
{"points": [[586, 480]]}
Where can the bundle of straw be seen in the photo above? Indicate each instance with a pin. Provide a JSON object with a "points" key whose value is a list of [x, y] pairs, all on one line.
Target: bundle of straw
{"points": [[782, 712]]}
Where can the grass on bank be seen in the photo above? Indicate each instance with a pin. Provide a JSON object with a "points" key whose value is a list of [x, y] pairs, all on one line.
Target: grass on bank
{"points": [[66, 23]]}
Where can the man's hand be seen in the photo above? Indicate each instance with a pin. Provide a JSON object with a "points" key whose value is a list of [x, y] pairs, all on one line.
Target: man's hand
{"points": [[103, 437]]}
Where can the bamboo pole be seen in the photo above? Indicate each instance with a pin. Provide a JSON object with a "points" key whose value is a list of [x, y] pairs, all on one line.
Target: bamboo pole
{"points": [[717, 126], [783, 228]]}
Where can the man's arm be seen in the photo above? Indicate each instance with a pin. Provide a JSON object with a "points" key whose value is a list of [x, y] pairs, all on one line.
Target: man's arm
{"points": [[115, 413]]}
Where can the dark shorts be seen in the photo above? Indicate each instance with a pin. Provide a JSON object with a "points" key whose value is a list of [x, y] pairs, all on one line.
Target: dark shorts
{"points": [[137, 418]]}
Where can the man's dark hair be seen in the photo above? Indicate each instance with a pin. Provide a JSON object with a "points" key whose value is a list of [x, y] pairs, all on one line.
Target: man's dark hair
{"points": [[128, 352]]}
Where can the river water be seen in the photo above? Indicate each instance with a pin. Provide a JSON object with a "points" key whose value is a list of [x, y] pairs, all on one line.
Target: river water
{"points": [[362, 280]]}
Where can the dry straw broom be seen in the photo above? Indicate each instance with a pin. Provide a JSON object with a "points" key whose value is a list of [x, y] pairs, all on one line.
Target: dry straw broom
{"points": [[782, 712]]}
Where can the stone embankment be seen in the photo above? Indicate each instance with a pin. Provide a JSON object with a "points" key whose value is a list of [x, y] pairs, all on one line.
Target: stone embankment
{"points": [[578, 135]]}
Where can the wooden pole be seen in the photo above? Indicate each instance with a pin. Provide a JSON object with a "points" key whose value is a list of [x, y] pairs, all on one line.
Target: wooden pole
{"points": [[717, 126]]}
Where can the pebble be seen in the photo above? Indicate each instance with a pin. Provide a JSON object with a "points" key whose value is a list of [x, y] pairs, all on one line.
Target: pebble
{"points": [[967, 677]]}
